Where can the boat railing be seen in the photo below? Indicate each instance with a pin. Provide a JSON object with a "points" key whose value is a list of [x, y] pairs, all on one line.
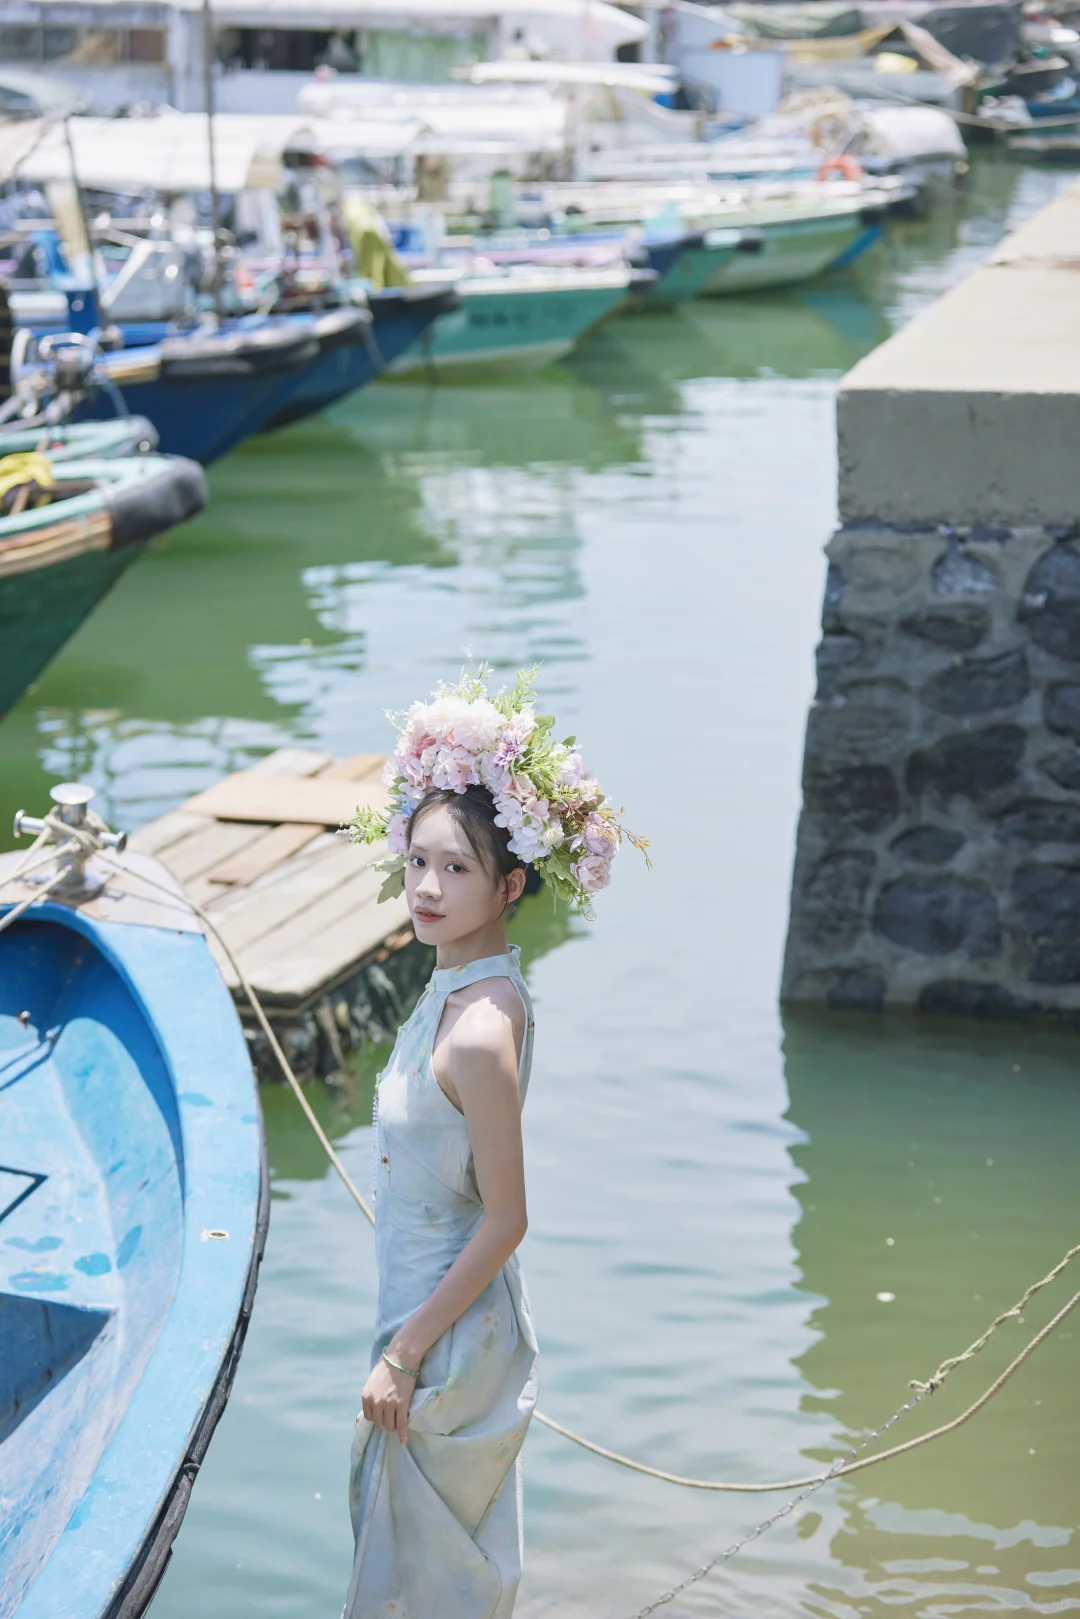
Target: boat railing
{"points": [[51, 375]]}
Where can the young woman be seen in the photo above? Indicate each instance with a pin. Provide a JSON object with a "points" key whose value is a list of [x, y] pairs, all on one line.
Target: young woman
{"points": [[482, 801]]}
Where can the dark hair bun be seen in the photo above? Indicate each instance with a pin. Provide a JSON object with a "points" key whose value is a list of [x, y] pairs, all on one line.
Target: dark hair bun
{"points": [[534, 882]]}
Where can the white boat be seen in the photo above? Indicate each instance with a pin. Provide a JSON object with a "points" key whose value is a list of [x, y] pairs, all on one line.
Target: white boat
{"points": [[921, 145]]}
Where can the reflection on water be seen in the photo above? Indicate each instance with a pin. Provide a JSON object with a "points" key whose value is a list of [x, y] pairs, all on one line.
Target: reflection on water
{"points": [[949, 1186], [711, 1194]]}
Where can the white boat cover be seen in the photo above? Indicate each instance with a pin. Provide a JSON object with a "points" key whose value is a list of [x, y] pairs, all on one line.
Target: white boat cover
{"points": [[170, 153], [18, 139]]}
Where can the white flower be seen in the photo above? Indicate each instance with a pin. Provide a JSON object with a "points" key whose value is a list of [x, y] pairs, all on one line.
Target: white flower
{"points": [[527, 844], [441, 716], [478, 726], [570, 772]]}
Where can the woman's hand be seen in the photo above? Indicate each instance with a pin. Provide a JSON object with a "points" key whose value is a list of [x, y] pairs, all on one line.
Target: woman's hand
{"points": [[386, 1400]]}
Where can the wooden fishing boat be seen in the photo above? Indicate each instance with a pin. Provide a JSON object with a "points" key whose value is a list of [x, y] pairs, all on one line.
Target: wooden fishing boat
{"points": [[795, 247], [668, 253], [133, 1212], [206, 390], [754, 237], [524, 316], [394, 321], [58, 560], [81, 441]]}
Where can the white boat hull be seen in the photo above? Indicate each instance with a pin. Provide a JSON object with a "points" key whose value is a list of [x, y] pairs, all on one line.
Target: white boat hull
{"points": [[790, 251]]}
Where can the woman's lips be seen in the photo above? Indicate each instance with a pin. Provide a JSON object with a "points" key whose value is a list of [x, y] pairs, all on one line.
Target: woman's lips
{"points": [[422, 915]]}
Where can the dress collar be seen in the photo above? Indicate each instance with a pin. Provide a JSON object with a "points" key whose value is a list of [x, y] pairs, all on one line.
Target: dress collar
{"points": [[446, 979]]}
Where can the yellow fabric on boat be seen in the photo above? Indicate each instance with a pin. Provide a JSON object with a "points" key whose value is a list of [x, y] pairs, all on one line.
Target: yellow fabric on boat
{"points": [[372, 250], [27, 468]]}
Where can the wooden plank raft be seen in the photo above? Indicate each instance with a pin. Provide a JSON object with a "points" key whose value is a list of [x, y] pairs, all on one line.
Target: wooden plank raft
{"points": [[259, 852]]}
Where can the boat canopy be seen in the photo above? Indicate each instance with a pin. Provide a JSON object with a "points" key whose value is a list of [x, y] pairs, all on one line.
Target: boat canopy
{"points": [[169, 153], [653, 78], [19, 137], [527, 117]]}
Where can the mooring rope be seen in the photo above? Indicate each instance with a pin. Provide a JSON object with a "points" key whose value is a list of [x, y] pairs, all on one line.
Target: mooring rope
{"points": [[807, 1486], [929, 1387]]}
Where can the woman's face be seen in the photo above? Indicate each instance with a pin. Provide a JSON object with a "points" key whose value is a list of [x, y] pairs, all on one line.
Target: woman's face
{"points": [[450, 893]]}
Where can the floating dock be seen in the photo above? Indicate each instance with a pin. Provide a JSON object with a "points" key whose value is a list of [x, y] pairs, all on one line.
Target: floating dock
{"points": [[296, 902]]}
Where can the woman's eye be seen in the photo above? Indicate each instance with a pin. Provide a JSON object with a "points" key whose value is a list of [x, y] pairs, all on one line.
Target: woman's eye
{"points": [[415, 860], [453, 866]]}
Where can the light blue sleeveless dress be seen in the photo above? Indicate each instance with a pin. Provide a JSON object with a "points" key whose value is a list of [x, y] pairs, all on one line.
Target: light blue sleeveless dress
{"points": [[438, 1521]]}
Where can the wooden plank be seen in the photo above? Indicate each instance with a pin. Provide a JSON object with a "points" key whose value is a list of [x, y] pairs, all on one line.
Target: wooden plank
{"points": [[354, 768], [288, 839], [203, 850], [180, 823], [301, 973], [252, 914], [251, 797], [326, 940], [265, 853], [167, 829], [229, 897], [259, 924], [292, 762]]}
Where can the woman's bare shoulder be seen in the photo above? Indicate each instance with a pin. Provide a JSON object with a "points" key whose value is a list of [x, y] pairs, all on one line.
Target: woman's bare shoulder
{"points": [[489, 1013]]}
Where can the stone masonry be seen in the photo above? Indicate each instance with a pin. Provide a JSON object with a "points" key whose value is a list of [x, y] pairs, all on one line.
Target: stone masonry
{"points": [[938, 859], [938, 855]]}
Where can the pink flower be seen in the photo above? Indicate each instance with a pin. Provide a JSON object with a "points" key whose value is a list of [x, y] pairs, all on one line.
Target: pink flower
{"points": [[396, 833], [454, 768], [593, 872], [600, 835]]}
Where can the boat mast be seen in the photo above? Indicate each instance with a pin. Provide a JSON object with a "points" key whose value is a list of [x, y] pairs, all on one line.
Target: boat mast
{"points": [[209, 52]]}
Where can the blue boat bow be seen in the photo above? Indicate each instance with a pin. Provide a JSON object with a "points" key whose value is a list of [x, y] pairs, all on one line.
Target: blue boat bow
{"points": [[133, 1212]]}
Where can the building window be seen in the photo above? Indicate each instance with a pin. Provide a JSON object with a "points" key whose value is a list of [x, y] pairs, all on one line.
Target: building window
{"points": [[81, 47], [289, 50]]}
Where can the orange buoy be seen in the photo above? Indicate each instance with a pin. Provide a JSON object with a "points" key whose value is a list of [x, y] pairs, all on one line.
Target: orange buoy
{"points": [[840, 163]]}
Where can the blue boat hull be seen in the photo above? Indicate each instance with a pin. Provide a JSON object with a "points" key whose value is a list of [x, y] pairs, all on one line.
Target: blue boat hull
{"points": [[133, 1211], [322, 358], [202, 419], [204, 390], [400, 317]]}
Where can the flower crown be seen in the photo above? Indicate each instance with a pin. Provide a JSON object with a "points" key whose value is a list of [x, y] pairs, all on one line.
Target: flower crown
{"points": [[559, 821]]}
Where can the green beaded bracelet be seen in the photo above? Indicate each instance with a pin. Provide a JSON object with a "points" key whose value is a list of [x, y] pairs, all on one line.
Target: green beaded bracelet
{"points": [[399, 1368]]}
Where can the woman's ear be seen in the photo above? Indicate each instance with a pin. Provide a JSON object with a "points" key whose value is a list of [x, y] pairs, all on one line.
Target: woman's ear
{"points": [[515, 885]]}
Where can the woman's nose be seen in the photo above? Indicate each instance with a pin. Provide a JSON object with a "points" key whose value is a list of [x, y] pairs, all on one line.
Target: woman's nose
{"points": [[428, 885]]}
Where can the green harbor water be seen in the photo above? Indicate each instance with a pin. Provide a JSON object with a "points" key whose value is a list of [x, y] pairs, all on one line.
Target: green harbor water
{"points": [[718, 1194]]}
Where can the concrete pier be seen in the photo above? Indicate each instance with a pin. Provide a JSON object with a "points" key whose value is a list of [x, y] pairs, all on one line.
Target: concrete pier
{"points": [[938, 856]]}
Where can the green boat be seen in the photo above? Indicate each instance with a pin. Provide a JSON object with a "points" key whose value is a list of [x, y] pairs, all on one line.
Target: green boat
{"points": [[58, 559], [82, 441], [753, 238], [792, 246], [519, 317], [695, 267]]}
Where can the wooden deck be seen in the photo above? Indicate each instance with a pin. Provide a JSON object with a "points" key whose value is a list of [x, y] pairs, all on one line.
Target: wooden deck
{"points": [[296, 902]]}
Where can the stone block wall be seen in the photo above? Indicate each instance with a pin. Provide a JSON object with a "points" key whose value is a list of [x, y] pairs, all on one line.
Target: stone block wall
{"points": [[938, 855]]}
